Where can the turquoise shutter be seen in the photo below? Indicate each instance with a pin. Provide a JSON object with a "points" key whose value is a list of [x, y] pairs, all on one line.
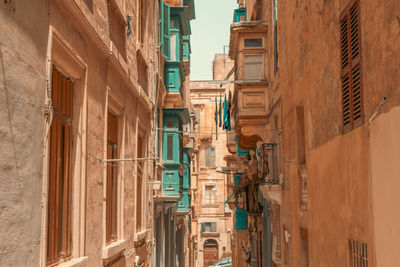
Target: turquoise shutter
{"points": [[202, 228], [166, 29]]}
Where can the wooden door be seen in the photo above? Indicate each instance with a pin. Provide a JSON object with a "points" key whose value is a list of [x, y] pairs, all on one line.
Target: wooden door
{"points": [[210, 252]]}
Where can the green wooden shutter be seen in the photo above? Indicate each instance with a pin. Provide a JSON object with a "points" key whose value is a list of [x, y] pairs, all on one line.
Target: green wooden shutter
{"points": [[166, 30], [202, 227], [213, 227]]}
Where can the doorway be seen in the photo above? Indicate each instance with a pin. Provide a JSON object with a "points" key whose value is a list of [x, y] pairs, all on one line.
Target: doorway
{"points": [[210, 252]]}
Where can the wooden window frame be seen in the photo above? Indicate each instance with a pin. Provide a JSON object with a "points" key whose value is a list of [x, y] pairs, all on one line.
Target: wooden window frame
{"points": [[210, 196], [59, 211], [351, 67], [213, 227], [112, 179]]}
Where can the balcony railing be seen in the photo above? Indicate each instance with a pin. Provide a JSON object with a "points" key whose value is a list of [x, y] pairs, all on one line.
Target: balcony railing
{"points": [[268, 163]]}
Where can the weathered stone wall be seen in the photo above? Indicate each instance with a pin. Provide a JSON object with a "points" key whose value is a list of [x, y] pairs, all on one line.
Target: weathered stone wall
{"points": [[104, 77], [343, 201], [23, 39]]}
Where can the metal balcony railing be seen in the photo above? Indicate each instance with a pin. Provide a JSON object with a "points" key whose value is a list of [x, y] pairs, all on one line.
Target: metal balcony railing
{"points": [[268, 163]]}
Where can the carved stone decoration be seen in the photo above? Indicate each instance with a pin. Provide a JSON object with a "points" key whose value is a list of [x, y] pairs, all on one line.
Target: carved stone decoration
{"points": [[303, 191]]}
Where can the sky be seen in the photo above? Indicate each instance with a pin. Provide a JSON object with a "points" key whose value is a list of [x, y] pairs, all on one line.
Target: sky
{"points": [[210, 32]]}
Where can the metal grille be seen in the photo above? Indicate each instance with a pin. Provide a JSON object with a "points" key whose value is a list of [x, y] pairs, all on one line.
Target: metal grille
{"points": [[358, 255], [268, 163]]}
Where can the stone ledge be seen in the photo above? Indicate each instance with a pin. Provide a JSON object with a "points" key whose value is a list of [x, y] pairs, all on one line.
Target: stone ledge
{"points": [[75, 262], [114, 248], [141, 235]]}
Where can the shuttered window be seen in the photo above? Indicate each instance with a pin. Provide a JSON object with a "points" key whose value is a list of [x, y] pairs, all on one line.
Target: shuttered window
{"points": [[170, 147], [210, 194], [253, 67], [60, 186], [165, 28], [208, 227], [351, 67], [210, 156], [112, 178]]}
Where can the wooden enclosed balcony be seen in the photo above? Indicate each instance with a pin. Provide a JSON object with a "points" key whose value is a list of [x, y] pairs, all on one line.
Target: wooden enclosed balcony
{"points": [[248, 47]]}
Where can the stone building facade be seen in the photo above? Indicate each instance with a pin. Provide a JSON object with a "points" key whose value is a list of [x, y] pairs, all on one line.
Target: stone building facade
{"points": [[81, 84], [322, 128], [212, 221]]}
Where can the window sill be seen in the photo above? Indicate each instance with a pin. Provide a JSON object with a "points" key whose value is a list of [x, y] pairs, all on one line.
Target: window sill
{"points": [[114, 248], [76, 262], [209, 205]]}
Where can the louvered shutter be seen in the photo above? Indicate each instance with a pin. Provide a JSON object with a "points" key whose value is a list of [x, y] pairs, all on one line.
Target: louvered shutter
{"points": [[351, 67], [166, 30]]}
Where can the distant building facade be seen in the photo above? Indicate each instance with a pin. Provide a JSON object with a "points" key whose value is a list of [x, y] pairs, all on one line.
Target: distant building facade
{"points": [[212, 221]]}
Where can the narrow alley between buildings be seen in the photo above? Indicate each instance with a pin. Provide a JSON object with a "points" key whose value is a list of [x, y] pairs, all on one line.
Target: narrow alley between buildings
{"points": [[112, 154]]}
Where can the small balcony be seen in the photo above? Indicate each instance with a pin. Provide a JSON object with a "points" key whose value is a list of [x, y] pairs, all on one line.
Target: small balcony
{"points": [[239, 15], [169, 189], [183, 206], [268, 171]]}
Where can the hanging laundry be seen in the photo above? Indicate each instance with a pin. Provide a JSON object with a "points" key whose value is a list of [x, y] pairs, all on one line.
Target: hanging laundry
{"points": [[227, 118], [225, 113], [220, 111], [216, 119]]}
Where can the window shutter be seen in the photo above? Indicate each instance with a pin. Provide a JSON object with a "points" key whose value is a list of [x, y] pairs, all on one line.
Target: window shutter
{"points": [[166, 29], [351, 68], [253, 67], [173, 44], [202, 227], [210, 156], [213, 227], [170, 147]]}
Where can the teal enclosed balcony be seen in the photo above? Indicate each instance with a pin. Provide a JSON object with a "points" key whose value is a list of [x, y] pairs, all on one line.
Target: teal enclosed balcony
{"points": [[239, 15], [240, 202], [173, 156], [186, 49], [183, 205], [171, 183]]}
